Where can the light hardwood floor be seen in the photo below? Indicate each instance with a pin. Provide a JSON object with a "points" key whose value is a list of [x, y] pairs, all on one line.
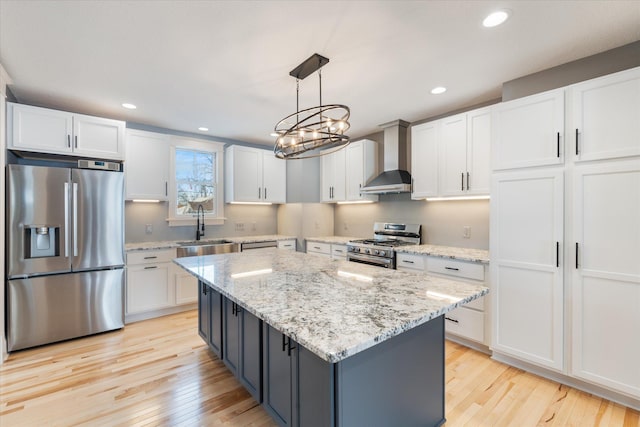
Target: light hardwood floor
{"points": [[159, 372]]}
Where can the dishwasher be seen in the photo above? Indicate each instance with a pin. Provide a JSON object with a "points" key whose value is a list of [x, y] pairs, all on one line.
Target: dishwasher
{"points": [[258, 245]]}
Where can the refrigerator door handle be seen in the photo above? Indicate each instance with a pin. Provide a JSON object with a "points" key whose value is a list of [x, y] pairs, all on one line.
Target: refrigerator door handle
{"points": [[66, 220], [75, 219]]}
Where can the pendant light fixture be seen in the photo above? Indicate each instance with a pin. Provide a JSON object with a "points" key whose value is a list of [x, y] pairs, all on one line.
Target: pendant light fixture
{"points": [[313, 131]]}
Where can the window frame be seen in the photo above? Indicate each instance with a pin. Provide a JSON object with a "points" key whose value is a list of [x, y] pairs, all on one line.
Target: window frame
{"points": [[213, 147]]}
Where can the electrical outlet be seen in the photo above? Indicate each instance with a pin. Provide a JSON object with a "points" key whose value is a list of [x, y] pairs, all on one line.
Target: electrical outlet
{"points": [[317, 225], [253, 226], [239, 226], [346, 227], [148, 228], [466, 232]]}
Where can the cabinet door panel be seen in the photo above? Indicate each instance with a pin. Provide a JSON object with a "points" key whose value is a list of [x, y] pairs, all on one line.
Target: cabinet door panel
{"points": [[148, 288], [231, 336], [277, 377], [607, 116], [251, 344], [339, 185], [479, 151], [98, 137], [147, 166], [355, 170], [453, 143], [529, 315], [527, 215], [274, 178], [204, 312], [424, 160], [247, 174], [40, 129], [606, 282], [525, 131], [216, 308]]}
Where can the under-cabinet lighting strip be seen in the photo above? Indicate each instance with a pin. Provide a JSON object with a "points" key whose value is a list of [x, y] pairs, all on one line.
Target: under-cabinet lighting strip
{"points": [[440, 199], [250, 203]]}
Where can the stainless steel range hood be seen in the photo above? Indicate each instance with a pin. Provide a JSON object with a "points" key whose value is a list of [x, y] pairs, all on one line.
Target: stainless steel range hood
{"points": [[395, 178]]}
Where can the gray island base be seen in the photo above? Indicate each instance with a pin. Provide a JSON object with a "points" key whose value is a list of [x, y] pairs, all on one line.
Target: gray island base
{"points": [[271, 317]]}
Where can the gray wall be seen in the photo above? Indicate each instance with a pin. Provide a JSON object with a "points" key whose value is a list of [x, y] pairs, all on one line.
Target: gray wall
{"points": [[442, 222], [608, 62], [261, 217], [303, 180]]}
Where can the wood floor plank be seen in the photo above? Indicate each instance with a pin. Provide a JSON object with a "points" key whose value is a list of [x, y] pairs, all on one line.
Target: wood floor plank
{"points": [[160, 373]]}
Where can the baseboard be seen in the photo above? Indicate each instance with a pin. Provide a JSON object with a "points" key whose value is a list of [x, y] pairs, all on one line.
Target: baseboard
{"points": [[137, 317], [468, 343], [3, 350], [602, 392]]}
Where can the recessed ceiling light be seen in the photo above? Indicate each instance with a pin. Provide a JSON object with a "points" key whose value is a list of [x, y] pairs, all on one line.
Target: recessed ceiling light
{"points": [[129, 106], [438, 90], [496, 18], [203, 129]]}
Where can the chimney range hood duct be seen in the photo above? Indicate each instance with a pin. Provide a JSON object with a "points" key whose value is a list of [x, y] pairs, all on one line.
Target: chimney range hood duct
{"points": [[395, 178]]}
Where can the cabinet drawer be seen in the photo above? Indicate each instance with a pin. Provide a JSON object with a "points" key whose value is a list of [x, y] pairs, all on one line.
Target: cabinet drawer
{"points": [[338, 251], [466, 323], [151, 257], [322, 248], [455, 268], [287, 244], [413, 262]]}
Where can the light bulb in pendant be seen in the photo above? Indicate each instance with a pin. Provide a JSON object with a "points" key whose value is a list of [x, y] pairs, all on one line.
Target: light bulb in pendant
{"points": [[315, 134]]}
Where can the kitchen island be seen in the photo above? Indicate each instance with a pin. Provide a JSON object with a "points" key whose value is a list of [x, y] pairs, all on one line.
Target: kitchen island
{"points": [[328, 342]]}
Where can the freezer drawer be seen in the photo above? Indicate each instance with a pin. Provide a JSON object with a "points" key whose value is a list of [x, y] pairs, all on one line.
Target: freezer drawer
{"points": [[47, 309]]}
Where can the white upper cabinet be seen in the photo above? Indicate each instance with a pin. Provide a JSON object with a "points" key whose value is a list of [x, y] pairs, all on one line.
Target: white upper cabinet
{"points": [[605, 259], [58, 132], [465, 142], [361, 165], [146, 166], [254, 176], [450, 156], [529, 131], [274, 178], [606, 116], [453, 148], [424, 160], [332, 176]]}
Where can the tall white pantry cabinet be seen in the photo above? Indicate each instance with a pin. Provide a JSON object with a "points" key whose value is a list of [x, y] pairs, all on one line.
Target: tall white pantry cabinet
{"points": [[565, 231]]}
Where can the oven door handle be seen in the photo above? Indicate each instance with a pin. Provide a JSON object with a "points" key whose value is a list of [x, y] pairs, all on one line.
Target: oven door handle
{"points": [[371, 260]]}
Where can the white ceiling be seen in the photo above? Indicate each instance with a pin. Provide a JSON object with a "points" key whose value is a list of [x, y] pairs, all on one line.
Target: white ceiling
{"points": [[225, 64]]}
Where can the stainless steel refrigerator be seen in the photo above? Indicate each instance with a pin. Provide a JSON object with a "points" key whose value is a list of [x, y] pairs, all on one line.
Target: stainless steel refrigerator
{"points": [[65, 252]]}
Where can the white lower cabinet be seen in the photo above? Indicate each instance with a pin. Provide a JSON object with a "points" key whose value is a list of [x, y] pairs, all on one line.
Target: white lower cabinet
{"points": [[319, 249], [338, 251], [156, 286], [289, 245], [186, 286], [149, 281], [470, 321]]}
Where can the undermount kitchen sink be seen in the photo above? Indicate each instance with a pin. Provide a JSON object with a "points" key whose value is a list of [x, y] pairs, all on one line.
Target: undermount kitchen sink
{"points": [[209, 247]]}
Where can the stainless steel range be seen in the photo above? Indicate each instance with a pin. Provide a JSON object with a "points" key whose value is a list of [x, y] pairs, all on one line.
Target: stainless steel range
{"points": [[380, 251]]}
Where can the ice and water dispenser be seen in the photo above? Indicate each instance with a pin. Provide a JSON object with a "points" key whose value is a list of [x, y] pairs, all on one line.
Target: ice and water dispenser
{"points": [[41, 241]]}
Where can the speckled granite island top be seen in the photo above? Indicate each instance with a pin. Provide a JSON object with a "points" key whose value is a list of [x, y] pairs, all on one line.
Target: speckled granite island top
{"points": [[333, 308], [463, 254]]}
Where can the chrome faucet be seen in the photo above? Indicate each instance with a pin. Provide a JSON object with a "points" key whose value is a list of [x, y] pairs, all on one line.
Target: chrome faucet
{"points": [[199, 230]]}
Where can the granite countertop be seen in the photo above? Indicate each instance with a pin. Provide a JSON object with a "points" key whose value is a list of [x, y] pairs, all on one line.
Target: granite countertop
{"points": [[340, 240], [462, 254], [333, 308], [148, 246]]}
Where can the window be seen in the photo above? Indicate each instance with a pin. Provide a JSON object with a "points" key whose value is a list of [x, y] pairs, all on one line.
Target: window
{"points": [[196, 179]]}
